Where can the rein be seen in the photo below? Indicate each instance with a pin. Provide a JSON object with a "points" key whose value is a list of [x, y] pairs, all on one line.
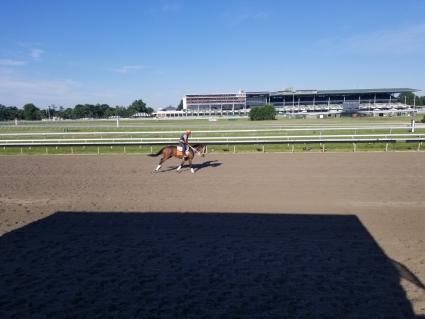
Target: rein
{"points": [[195, 150]]}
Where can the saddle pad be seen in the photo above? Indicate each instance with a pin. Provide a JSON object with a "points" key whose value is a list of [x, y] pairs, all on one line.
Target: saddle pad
{"points": [[180, 150]]}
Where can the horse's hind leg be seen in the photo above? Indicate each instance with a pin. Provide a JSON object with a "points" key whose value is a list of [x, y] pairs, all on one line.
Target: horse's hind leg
{"points": [[160, 164]]}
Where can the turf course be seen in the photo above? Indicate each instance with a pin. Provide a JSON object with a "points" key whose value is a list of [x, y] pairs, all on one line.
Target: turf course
{"points": [[151, 129]]}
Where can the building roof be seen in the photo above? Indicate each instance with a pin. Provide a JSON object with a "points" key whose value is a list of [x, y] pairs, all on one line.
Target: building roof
{"points": [[291, 92], [351, 91], [169, 108]]}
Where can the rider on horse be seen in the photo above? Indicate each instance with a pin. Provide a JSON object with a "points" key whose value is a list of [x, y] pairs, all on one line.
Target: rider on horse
{"points": [[184, 141]]}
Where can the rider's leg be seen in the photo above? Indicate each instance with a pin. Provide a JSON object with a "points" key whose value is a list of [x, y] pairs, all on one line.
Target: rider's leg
{"points": [[184, 151]]}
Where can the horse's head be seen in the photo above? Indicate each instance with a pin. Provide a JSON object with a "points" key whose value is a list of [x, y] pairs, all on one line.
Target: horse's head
{"points": [[200, 149], [204, 150]]}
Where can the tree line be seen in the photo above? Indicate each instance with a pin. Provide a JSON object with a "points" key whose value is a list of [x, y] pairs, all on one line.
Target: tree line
{"points": [[411, 99], [31, 112]]}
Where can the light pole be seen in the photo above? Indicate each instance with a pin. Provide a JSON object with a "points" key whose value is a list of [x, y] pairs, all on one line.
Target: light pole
{"points": [[413, 115], [53, 111]]}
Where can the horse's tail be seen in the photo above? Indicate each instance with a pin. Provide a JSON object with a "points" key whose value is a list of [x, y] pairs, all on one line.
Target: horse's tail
{"points": [[156, 154]]}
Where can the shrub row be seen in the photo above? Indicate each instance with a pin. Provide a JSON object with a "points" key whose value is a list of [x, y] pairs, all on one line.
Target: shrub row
{"points": [[260, 113]]}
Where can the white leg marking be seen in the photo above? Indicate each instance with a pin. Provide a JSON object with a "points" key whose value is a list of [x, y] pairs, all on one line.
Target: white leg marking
{"points": [[192, 170], [158, 167], [179, 168]]}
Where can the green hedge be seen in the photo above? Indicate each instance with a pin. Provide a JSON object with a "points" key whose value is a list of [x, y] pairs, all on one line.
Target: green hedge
{"points": [[260, 113]]}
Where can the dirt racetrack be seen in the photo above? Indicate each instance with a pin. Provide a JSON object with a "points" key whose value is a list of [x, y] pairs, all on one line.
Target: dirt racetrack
{"points": [[262, 236]]}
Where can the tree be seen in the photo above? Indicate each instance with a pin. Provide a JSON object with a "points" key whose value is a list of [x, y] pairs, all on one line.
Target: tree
{"points": [[68, 113], [100, 110], [260, 113], [9, 113], [31, 112], [110, 112], [407, 97], [138, 106], [180, 106], [44, 114], [81, 111], [121, 111]]}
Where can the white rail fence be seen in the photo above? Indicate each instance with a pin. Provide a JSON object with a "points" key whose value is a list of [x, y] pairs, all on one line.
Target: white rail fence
{"points": [[234, 140], [388, 128]]}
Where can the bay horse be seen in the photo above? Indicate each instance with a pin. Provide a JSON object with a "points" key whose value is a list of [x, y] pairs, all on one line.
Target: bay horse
{"points": [[171, 151]]}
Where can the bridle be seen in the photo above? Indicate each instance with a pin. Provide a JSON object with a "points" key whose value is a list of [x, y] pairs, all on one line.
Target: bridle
{"points": [[195, 150]]}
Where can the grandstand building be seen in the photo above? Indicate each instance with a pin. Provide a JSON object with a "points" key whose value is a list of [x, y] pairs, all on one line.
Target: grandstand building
{"points": [[316, 103]]}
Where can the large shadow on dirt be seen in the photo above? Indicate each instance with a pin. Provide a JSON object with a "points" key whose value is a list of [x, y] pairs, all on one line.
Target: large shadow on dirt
{"points": [[196, 167], [172, 265]]}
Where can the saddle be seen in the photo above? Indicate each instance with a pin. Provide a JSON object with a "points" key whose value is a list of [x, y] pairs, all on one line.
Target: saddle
{"points": [[180, 151]]}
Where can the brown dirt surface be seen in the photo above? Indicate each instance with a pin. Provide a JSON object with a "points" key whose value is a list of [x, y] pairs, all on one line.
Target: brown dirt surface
{"points": [[247, 236]]}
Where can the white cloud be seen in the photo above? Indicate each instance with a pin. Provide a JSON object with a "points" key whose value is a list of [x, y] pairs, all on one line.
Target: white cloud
{"points": [[11, 62], [36, 53], [403, 40], [16, 90], [125, 69], [57, 87]]}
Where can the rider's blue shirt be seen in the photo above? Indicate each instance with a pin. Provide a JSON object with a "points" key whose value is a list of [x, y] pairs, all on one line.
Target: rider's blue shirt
{"points": [[183, 138]]}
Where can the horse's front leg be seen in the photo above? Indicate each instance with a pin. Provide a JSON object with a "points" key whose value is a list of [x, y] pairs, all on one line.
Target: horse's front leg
{"points": [[181, 164], [190, 165]]}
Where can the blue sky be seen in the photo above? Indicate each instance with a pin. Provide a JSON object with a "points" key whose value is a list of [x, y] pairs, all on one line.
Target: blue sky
{"points": [[69, 52]]}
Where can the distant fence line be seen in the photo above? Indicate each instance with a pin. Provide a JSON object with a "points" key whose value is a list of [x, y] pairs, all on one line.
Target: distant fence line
{"points": [[292, 129], [234, 140]]}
